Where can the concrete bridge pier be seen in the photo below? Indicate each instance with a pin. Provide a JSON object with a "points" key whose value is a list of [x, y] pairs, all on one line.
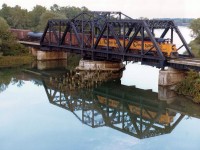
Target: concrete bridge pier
{"points": [[170, 77], [100, 65], [53, 55], [49, 60], [168, 80]]}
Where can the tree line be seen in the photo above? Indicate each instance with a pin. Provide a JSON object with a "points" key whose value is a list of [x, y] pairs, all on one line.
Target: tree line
{"points": [[37, 18], [8, 42], [195, 44]]}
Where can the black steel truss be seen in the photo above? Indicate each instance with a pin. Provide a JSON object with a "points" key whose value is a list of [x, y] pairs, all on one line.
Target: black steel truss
{"points": [[88, 26]]}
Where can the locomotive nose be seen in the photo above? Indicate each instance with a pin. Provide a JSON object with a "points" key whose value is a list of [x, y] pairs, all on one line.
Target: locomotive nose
{"points": [[173, 47]]}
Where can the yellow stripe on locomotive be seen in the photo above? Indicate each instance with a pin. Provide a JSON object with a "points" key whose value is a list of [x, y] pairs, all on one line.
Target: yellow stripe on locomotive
{"points": [[166, 47]]}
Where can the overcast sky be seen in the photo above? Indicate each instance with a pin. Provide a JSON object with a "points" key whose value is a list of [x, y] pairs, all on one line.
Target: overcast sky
{"points": [[132, 8]]}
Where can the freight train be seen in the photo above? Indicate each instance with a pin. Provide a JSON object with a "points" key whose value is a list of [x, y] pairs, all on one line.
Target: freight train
{"points": [[35, 35], [26, 35], [168, 49]]}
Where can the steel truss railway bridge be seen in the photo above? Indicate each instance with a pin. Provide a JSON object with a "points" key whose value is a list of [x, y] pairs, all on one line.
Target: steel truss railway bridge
{"points": [[82, 35]]}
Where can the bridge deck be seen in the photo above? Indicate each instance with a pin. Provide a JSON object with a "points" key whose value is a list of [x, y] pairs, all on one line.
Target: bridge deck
{"points": [[190, 62], [185, 63], [29, 43]]}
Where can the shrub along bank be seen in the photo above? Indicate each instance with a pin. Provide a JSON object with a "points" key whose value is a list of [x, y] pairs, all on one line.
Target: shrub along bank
{"points": [[11, 52], [190, 86]]}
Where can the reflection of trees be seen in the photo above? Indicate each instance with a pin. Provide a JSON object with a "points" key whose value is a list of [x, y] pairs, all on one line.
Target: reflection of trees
{"points": [[18, 82], [4, 81], [8, 76], [3, 87], [38, 83]]}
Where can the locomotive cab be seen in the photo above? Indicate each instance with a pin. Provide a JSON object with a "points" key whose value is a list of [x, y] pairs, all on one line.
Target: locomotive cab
{"points": [[169, 49]]}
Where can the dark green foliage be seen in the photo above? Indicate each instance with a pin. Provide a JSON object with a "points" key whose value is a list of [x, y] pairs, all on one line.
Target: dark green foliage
{"points": [[8, 43], [190, 86], [34, 16], [45, 17], [68, 12], [195, 47], [16, 17], [73, 61], [37, 18], [14, 49], [9, 76], [195, 26], [195, 44]]}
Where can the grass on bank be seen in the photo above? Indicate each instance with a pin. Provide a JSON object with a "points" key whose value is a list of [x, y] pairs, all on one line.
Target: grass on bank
{"points": [[14, 61]]}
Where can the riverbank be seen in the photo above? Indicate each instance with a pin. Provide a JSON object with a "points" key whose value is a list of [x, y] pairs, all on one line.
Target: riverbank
{"points": [[190, 86], [14, 61]]}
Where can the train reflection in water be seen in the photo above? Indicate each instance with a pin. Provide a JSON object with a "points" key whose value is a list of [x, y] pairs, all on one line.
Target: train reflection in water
{"points": [[96, 103]]}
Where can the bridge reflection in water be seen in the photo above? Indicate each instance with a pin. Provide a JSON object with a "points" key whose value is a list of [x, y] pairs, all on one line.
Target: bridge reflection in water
{"points": [[133, 111]]}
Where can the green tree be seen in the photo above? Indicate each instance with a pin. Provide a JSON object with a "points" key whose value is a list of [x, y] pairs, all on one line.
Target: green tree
{"points": [[9, 45], [15, 16], [195, 26], [195, 44], [4, 25], [68, 12], [35, 14], [19, 22], [55, 8], [9, 76], [3, 32], [5, 12], [47, 16]]}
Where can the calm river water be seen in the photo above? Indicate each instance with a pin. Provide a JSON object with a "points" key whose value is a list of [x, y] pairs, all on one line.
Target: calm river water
{"points": [[43, 111]]}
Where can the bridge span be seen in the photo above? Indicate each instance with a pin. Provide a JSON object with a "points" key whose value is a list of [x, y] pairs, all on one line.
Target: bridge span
{"points": [[114, 36]]}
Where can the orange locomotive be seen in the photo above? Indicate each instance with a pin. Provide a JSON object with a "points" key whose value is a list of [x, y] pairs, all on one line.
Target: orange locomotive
{"points": [[168, 49]]}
